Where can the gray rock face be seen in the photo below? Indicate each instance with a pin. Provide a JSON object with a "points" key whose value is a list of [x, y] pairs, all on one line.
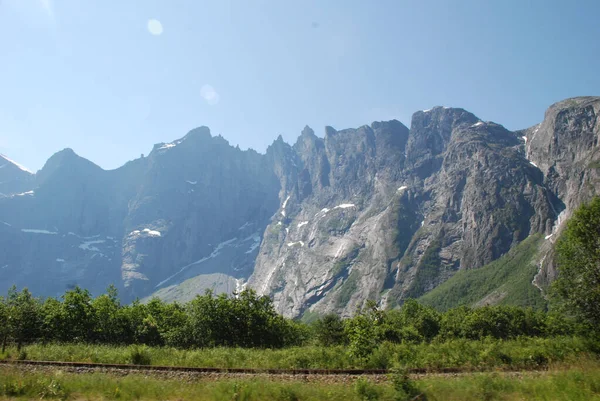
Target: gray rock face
{"points": [[380, 212], [400, 211], [564, 146], [193, 207]]}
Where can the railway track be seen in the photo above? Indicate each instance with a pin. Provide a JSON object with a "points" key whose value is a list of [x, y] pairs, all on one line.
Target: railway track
{"points": [[253, 371]]}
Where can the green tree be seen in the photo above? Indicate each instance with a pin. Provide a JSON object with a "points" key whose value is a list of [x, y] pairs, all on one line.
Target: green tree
{"points": [[578, 261], [4, 328], [24, 317], [109, 326], [78, 315], [362, 330], [329, 330], [52, 319]]}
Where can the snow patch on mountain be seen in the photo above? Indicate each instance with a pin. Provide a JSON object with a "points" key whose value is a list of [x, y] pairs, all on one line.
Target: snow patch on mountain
{"points": [[20, 167], [38, 231]]}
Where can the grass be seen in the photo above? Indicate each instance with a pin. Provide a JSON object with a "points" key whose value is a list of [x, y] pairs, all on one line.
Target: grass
{"points": [[97, 386], [485, 354], [580, 381], [506, 281]]}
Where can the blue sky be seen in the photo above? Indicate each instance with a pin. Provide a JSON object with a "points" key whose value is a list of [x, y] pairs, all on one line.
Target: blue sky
{"points": [[104, 78]]}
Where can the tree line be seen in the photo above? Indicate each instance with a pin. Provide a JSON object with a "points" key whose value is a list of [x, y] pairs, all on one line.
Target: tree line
{"points": [[250, 321]]}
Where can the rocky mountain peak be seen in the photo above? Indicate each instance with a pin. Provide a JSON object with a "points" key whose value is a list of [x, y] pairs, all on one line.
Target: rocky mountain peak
{"points": [[378, 212], [67, 165]]}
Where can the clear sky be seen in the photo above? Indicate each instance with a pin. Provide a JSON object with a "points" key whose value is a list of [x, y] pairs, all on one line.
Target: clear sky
{"points": [[110, 78]]}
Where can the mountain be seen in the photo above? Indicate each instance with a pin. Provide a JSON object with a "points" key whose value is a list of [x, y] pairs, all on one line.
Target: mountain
{"points": [[381, 212], [14, 178]]}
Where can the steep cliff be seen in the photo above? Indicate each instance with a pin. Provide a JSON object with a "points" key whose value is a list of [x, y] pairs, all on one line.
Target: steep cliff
{"points": [[380, 212]]}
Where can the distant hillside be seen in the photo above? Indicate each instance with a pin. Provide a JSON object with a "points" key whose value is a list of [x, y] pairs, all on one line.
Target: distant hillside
{"points": [[506, 281]]}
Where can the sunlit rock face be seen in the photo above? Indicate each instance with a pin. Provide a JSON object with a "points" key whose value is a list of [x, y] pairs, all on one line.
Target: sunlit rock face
{"points": [[380, 212]]}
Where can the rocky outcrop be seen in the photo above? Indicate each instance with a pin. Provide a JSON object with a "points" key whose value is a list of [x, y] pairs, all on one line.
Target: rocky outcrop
{"points": [[564, 147], [380, 212]]}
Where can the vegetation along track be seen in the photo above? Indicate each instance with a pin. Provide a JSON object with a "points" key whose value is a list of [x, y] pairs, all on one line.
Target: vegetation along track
{"points": [[342, 375]]}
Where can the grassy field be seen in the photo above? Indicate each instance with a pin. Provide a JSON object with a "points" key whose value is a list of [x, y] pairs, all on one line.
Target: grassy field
{"points": [[506, 281], [573, 382], [522, 353]]}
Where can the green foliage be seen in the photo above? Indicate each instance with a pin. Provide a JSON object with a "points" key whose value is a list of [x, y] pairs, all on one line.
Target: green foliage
{"points": [[139, 355], [244, 320], [427, 270], [506, 281], [486, 353], [578, 260], [329, 330], [361, 333], [406, 389], [366, 390], [347, 289], [372, 338]]}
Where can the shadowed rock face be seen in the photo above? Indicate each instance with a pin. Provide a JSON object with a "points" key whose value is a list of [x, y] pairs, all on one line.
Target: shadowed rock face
{"points": [[379, 212]]}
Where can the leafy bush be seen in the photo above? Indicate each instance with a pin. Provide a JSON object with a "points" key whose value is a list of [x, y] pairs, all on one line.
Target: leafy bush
{"points": [[366, 390], [139, 355]]}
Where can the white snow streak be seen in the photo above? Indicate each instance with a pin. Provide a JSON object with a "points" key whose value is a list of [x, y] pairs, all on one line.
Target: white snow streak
{"points": [[302, 224], [344, 206], [301, 243], [152, 233], [191, 182], [89, 245], [339, 251], [240, 285], [6, 224], [36, 231], [28, 193], [216, 252], [268, 280], [284, 205], [477, 124], [559, 220], [255, 244], [20, 167], [167, 146], [402, 188], [533, 164]]}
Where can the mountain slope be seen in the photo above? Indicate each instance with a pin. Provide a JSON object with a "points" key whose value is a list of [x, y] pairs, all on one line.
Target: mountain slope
{"points": [[14, 178], [505, 281], [379, 212]]}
